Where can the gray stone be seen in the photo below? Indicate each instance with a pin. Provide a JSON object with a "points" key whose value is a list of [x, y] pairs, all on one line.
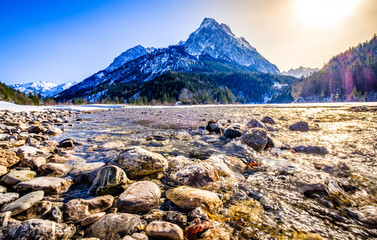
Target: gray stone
{"points": [[36, 211], [114, 226], [28, 151], [234, 130], [255, 138], [54, 169], [254, 123], [138, 162], [268, 120], [92, 218], [8, 197], [311, 150], [215, 126], [196, 175], [164, 230], [24, 202], [50, 185], [55, 131], [57, 214], [109, 180], [33, 162], [299, 126], [17, 176], [139, 197], [198, 213]]}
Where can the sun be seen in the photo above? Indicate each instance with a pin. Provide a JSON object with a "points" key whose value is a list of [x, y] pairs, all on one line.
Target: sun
{"points": [[324, 13]]}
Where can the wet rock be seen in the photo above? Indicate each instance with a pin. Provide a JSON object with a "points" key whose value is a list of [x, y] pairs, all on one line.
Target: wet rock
{"points": [[255, 138], [198, 213], [109, 180], [114, 226], [234, 130], [138, 162], [164, 230], [299, 126], [175, 217], [311, 150], [139, 197], [28, 151], [190, 198], [196, 228], [33, 162], [92, 218], [215, 126], [196, 175], [215, 234], [17, 176], [7, 198], [24, 202], [254, 123], [50, 185], [67, 144], [8, 158], [54, 131], [57, 214], [40, 229], [54, 170], [36, 211], [78, 209], [268, 120]]}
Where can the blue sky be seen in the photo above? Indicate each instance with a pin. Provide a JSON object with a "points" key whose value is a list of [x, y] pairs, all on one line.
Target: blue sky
{"points": [[61, 41]]}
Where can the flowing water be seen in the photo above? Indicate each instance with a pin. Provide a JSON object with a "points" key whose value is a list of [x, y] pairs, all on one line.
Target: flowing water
{"points": [[283, 194]]}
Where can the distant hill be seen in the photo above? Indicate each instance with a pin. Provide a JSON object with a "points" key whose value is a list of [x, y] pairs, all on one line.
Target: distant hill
{"points": [[46, 89], [212, 48], [9, 94], [349, 76], [300, 72]]}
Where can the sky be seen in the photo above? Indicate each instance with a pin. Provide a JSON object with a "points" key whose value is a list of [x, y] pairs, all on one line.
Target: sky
{"points": [[68, 40]]}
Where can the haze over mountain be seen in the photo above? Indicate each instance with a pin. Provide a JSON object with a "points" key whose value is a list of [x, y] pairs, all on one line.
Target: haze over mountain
{"points": [[211, 48]]}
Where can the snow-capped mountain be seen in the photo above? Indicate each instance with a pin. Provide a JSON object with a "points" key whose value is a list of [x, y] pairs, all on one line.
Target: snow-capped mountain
{"points": [[44, 88], [211, 48], [300, 72]]}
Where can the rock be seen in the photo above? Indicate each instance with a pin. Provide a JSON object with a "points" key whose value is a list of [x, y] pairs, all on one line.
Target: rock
{"points": [[8, 158], [3, 170], [268, 120], [215, 126], [139, 236], [14, 177], [368, 215], [190, 198], [139, 197], [36, 211], [67, 144], [234, 130], [50, 185], [7, 198], [175, 217], [138, 162], [270, 143], [54, 170], [78, 209], [254, 123], [92, 218], [311, 150], [255, 138], [24, 202], [40, 229], [3, 189], [196, 175], [28, 151], [114, 226], [33, 162], [300, 126], [109, 180], [55, 131], [215, 234], [164, 230], [198, 213], [37, 129], [57, 214]]}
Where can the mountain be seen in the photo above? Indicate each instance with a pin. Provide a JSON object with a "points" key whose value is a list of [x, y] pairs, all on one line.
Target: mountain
{"points": [[300, 72], [349, 76], [10, 94], [211, 48], [43, 88]]}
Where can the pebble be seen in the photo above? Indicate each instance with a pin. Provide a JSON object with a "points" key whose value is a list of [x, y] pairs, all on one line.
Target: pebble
{"points": [[109, 180], [164, 230], [255, 138]]}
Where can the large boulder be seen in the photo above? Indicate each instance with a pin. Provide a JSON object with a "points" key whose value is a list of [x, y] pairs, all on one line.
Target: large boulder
{"points": [[17, 176], [39, 229], [196, 175], [139, 197], [109, 180], [77, 209], [8, 158], [215, 126], [255, 138], [33, 162], [190, 198], [268, 120], [114, 226], [138, 162], [164, 230], [54, 169], [299, 126], [234, 130], [50, 185], [24, 203]]}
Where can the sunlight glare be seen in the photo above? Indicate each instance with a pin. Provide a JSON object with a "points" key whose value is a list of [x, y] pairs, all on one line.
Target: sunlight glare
{"points": [[324, 13]]}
